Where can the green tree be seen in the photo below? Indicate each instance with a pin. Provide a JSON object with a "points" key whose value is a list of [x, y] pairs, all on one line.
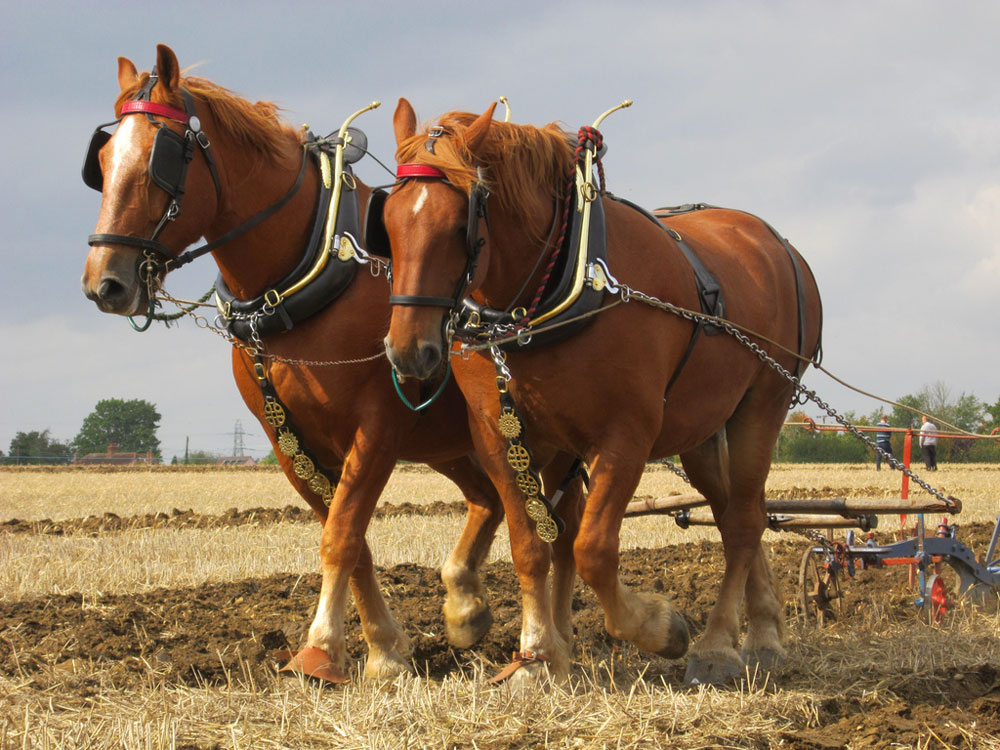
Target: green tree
{"points": [[269, 460], [37, 448], [131, 425]]}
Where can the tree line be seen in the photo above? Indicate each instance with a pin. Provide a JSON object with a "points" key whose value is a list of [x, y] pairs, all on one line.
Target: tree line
{"points": [[129, 425], [966, 412]]}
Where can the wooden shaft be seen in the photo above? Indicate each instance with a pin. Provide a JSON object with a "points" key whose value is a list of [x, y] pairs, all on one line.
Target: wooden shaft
{"points": [[842, 505]]}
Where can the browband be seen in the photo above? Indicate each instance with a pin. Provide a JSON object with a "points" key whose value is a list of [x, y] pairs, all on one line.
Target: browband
{"points": [[152, 108], [418, 170]]}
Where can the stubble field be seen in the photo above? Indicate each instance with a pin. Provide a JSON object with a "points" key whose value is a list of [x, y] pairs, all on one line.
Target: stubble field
{"points": [[143, 609]]}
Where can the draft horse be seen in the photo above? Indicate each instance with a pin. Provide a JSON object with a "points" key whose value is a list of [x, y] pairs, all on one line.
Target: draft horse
{"points": [[254, 187], [635, 384]]}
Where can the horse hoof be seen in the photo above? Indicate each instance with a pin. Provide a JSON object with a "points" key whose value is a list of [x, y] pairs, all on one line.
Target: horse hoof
{"points": [[678, 637], [715, 669], [764, 659], [382, 667], [467, 632], [316, 663]]}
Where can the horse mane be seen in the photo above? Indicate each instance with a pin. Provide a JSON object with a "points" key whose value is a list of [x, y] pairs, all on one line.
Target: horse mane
{"points": [[517, 159], [254, 126]]}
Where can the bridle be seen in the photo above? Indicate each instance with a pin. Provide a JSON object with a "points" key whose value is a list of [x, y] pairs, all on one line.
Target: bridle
{"points": [[168, 162], [478, 197]]}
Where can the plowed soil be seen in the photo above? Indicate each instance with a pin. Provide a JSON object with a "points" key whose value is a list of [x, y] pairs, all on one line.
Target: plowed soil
{"points": [[202, 635]]}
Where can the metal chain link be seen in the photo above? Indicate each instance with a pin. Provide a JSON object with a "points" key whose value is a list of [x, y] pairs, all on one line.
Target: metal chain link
{"points": [[256, 345], [627, 294]]}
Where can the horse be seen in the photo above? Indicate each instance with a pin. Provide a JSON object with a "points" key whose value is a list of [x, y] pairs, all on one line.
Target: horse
{"points": [[347, 417], [474, 212]]}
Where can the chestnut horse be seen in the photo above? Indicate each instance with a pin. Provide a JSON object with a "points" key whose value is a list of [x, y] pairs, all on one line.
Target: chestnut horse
{"points": [[348, 415], [625, 389]]}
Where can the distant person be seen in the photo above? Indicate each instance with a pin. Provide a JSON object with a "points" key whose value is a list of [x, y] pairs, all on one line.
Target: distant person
{"points": [[928, 444], [883, 439]]}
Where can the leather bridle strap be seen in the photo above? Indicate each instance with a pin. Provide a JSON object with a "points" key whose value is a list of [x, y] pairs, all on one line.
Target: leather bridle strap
{"points": [[478, 196]]}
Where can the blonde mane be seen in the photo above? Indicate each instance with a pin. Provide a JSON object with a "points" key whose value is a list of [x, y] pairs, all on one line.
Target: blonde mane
{"points": [[516, 159], [254, 126]]}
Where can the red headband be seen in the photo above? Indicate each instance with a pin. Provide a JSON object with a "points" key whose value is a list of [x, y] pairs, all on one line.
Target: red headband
{"points": [[418, 170], [152, 108]]}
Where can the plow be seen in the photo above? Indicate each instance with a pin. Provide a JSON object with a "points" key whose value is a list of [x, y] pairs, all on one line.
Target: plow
{"points": [[826, 563]]}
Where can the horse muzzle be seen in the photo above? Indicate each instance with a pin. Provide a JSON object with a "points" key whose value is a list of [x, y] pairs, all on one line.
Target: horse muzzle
{"points": [[421, 361]]}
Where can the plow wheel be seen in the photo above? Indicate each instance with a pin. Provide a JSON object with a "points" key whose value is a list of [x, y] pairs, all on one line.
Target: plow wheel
{"points": [[820, 599], [936, 601]]}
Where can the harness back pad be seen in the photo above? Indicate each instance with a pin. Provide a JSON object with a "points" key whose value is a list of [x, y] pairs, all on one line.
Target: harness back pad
{"points": [[326, 287], [588, 300]]}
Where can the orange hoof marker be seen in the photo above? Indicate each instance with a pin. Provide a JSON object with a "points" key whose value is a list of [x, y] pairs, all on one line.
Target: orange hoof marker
{"points": [[315, 662]]}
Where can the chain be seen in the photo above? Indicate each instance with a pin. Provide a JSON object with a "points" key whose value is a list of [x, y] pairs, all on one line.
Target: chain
{"points": [[256, 345], [627, 294]]}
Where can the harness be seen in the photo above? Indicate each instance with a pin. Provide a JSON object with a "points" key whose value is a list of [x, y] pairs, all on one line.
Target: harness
{"points": [[313, 284]]}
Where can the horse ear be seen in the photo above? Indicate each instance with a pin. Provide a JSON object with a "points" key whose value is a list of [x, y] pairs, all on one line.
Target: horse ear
{"points": [[127, 74], [167, 67], [404, 121], [475, 134]]}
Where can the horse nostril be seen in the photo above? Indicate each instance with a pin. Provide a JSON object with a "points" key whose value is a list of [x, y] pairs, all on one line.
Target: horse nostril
{"points": [[110, 290], [430, 358]]}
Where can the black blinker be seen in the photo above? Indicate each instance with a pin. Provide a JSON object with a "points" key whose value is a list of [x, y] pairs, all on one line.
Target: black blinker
{"points": [[168, 161], [92, 175]]}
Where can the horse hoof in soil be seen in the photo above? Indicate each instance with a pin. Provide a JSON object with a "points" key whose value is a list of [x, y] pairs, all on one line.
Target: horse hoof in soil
{"points": [[468, 632], [382, 667], [764, 659], [316, 663], [715, 669]]}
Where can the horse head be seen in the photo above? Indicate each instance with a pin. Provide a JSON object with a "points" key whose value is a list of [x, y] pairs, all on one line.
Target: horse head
{"points": [[142, 170], [435, 219]]}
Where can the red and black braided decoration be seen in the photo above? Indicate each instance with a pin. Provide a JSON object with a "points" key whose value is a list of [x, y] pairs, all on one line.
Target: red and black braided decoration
{"points": [[587, 137]]}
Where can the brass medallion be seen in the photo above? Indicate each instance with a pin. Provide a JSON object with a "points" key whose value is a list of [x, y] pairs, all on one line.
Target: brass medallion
{"points": [[536, 509], [518, 458], [528, 484], [303, 466], [274, 413], [288, 443], [510, 425], [547, 530], [319, 484]]}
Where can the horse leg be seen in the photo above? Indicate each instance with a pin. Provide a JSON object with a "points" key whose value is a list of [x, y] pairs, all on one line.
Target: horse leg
{"points": [[707, 467], [346, 560], [563, 566], [531, 556], [467, 615], [714, 659], [647, 620]]}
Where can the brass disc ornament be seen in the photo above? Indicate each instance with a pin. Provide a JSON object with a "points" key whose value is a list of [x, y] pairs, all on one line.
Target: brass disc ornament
{"points": [[518, 458], [547, 530], [510, 425], [319, 484], [527, 484], [288, 443], [274, 413], [303, 466], [536, 509]]}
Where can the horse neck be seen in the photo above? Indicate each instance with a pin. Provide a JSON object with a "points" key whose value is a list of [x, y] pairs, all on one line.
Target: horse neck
{"points": [[254, 261], [516, 243]]}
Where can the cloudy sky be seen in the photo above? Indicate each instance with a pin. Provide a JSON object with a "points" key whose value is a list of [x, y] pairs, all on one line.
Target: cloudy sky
{"points": [[866, 132]]}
